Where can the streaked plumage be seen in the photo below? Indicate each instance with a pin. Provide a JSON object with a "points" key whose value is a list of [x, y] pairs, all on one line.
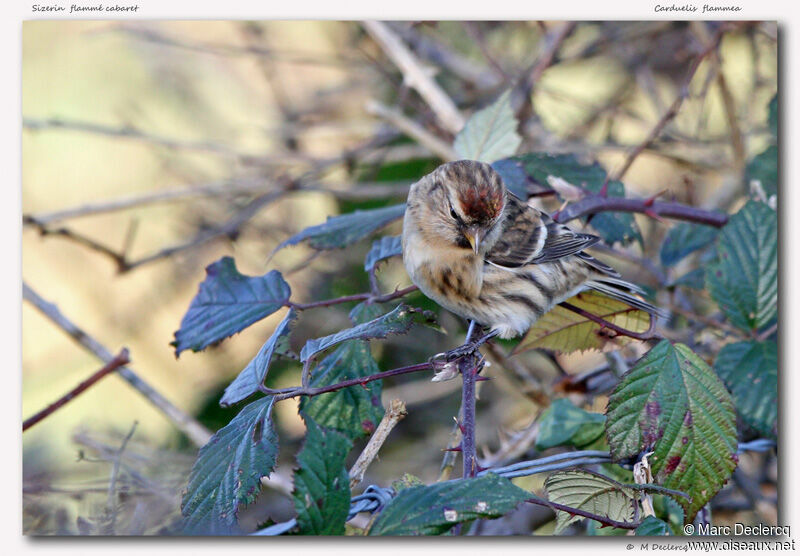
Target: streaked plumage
{"points": [[487, 256]]}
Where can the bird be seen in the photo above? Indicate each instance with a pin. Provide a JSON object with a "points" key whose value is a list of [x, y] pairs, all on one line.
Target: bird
{"points": [[489, 257]]}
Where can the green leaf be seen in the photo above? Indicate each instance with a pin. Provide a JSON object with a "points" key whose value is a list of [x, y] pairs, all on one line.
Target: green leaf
{"points": [[514, 177], [399, 321], [564, 424], [772, 118], [744, 280], [434, 509], [252, 376], [228, 470], [652, 527], [490, 134], [671, 403], [344, 230], [612, 226], [683, 239], [321, 484], [383, 248], [228, 302], [764, 168], [750, 371], [354, 411], [589, 492]]}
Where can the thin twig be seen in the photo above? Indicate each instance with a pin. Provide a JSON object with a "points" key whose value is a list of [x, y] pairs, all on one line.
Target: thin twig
{"points": [[592, 204], [606, 521], [122, 358], [196, 432], [416, 77], [648, 334], [396, 413], [411, 128], [111, 506], [369, 297]]}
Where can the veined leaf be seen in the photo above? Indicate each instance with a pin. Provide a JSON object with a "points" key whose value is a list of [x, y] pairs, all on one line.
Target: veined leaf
{"points": [[653, 527], [321, 485], [435, 509], [354, 411], [344, 230], [589, 492], [750, 371], [563, 330], [564, 424], [252, 376], [228, 470], [228, 302], [399, 321], [671, 403], [490, 134], [685, 238], [744, 280], [612, 226], [383, 248]]}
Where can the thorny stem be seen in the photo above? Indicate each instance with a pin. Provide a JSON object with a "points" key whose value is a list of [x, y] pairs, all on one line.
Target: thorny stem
{"points": [[469, 367]]}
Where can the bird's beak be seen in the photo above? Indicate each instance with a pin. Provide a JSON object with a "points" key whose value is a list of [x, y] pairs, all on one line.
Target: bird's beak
{"points": [[473, 235]]}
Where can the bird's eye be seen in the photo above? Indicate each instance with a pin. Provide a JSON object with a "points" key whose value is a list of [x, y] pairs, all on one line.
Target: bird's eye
{"points": [[453, 213]]}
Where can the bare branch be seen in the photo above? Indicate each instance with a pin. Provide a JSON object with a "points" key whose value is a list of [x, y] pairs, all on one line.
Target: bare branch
{"points": [[396, 413], [411, 128], [415, 76], [118, 361], [194, 430]]}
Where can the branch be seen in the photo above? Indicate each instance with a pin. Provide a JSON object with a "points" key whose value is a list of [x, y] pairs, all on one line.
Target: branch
{"points": [[396, 413], [411, 128], [118, 361], [648, 334], [606, 521], [592, 204], [369, 297], [194, 430], [415, 76]]}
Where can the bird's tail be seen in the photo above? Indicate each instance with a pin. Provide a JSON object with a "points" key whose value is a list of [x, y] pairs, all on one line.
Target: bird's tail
{"points": [[626, 292]]}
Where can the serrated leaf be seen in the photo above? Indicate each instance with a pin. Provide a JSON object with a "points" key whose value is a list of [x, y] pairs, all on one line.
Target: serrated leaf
{"points": [[344, 230], [228, 470], [399, 321], [652, 527], [566, 331], [589, 492], [744, 280], [227, 302], [612, 226], [321, 484], [564, 424], [671, 402], [685, 238], [435, 509], [383, 248], [354, 411], [252, 376], [750, 371], [490, 134], [764, 168]]}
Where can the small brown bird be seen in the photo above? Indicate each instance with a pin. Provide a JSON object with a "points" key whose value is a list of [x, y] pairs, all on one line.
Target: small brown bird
{"points": [[487, 256]]}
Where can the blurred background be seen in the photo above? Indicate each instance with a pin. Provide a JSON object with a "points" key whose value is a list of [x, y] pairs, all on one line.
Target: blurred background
{"points": [[151, 149]]}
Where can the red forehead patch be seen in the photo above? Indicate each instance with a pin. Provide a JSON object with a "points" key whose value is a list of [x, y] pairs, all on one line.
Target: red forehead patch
{"points": [[482, 202]]}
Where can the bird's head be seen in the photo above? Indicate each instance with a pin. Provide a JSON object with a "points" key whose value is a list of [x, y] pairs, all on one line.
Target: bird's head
{"points": [[460, 203]]}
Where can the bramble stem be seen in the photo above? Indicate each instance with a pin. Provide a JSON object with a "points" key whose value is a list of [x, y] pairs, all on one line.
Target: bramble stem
{"points": [[469, 369]]}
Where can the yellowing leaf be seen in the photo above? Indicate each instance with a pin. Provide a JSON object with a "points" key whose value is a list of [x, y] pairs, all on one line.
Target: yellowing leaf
{"points": [[566, 331]]}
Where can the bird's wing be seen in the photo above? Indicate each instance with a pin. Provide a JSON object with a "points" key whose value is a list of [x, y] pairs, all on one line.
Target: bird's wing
{"points": [[530, 236]]}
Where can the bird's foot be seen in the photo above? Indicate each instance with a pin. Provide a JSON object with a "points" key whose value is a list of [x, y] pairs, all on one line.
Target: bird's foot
{"points": [[447, 364]]}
